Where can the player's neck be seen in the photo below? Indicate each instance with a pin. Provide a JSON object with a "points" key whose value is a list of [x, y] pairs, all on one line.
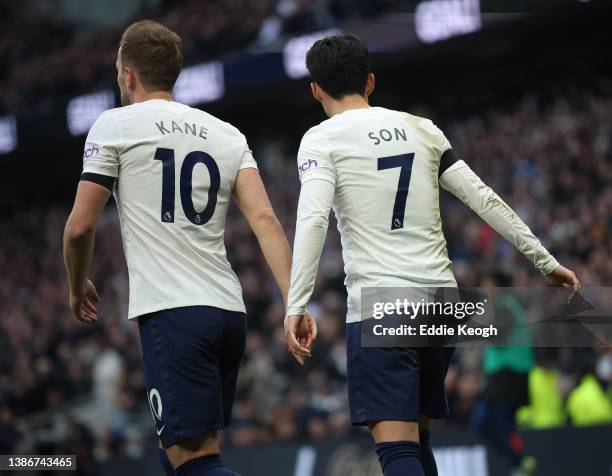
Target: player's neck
{"points": [[347, 103], [147, 96]]}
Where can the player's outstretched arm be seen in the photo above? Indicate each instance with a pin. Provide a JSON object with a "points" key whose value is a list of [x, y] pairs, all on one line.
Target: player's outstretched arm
{"points": [[461, 181], [78, 247]]}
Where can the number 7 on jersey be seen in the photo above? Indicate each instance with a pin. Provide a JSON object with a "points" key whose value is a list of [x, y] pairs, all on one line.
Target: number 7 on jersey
{"points": [[404, 162]]}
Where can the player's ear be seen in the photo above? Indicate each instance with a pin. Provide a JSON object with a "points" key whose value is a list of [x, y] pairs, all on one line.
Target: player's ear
{"points": [[130, 79], [316, 91], [370, 84]]}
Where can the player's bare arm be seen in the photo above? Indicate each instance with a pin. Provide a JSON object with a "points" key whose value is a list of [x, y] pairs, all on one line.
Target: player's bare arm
{"points": [[78, 248], [252, 199]]}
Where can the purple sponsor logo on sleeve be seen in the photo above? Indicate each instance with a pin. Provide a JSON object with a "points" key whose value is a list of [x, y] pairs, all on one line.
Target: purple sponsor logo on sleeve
{"points": [[307, 165], [90, 151]]}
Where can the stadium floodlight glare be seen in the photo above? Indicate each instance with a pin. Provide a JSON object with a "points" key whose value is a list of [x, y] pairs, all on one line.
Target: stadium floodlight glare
{"points": [[294, 52], [200, 84], [8, 134], [83, 111], [437, 20]]}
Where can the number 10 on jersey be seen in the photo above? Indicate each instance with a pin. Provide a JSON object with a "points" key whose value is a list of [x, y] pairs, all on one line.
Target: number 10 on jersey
{"points": [[166, 156]]}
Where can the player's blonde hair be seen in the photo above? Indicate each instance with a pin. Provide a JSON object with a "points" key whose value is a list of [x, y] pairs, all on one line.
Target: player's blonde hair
{"points": [[155, 52]]}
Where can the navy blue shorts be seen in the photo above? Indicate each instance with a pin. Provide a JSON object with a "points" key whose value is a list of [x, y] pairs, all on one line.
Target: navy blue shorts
{"points": [[191, 357], [395, 383]]}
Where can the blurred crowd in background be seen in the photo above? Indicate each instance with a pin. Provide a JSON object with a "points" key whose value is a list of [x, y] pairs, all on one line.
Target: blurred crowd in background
{"points": [[550, 162], [70, 388], [45, 55]]}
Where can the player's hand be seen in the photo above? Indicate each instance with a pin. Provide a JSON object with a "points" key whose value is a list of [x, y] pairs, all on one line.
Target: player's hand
{"points": [[82, 303], [306, 331], [300, 332], [566, 278]]}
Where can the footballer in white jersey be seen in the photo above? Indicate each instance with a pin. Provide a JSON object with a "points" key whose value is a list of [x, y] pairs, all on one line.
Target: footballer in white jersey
{"points": [[381, 171], [173, 170], [383, 165]]}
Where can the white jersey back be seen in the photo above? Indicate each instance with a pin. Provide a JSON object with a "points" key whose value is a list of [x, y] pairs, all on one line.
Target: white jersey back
{"points": [[175, 168], [384, 165]]}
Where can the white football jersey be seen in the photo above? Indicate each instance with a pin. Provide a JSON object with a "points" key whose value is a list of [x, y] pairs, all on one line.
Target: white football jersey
{"points": [[384, 165], [175, 168]]}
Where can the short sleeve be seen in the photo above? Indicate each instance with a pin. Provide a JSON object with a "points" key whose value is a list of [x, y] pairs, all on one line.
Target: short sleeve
{"points": [[314, 159], [102, 147], [247, 161]]}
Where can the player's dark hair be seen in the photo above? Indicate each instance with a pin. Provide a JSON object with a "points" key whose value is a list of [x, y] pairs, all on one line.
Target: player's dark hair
{"points": [[340, 65], [155, 52]]}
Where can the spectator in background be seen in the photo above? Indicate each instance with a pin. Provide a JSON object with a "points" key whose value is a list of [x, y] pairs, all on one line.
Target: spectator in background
{"points": [[545, 409], [9, 434], [106, 371], [588, 404], [506, 369], [603, 370], [79, 442]]}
